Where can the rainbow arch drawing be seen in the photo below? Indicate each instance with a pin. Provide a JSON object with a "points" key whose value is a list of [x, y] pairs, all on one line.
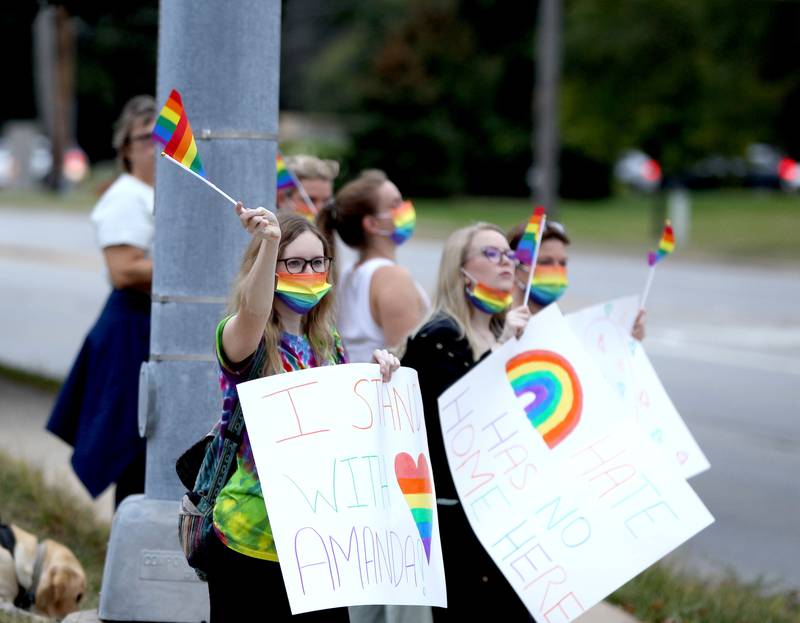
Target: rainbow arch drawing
{"points": [[556, 397]]}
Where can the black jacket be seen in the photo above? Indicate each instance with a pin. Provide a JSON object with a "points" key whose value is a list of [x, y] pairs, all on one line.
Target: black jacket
{"points": [[440, 357]]}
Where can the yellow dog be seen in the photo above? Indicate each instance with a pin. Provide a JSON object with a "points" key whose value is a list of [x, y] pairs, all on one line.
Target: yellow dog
{"points": [[42, 576]]}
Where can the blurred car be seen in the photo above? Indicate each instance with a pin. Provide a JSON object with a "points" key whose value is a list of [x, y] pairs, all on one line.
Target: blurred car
{"points": [[75, 167], [635, 168], [763, 166]]}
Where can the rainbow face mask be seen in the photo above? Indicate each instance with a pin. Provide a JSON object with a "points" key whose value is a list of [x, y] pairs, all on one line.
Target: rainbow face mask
{"points": [[549, 283], [486, 299], [302, 292], [405, 220]]}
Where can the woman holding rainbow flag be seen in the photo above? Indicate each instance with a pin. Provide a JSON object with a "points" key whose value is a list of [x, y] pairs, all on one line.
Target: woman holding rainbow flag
{"points": [[281, 320], [469, 319]]}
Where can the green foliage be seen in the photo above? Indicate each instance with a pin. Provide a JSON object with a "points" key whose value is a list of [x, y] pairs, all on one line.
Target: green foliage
{"points": [[679, 79], [663, 595], [51, 512]]}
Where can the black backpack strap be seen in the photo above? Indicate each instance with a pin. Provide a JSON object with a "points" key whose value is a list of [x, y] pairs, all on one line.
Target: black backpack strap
{"points": [[232, 438]]}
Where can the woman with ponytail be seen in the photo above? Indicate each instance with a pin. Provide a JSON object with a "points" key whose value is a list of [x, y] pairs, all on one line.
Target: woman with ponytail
{"points": [[380, 303]]}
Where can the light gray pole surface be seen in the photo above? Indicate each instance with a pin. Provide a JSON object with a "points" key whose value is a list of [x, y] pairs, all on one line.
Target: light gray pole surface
{"points": [[223, 58]]}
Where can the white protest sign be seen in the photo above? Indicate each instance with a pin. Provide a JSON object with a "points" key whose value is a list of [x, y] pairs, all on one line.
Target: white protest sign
{"points": [[604, 331], [563, 490], [345, 472]]}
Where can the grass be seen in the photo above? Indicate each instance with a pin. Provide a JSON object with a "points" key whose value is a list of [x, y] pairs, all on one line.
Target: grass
{"points": [[663, 595], [21, 377], [660, 594], [730, 225], [739, 225], [50, 512]]}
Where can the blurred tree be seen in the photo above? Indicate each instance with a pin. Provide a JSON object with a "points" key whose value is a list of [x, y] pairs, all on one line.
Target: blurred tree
{"points": [[435, 87], [679, 79]]}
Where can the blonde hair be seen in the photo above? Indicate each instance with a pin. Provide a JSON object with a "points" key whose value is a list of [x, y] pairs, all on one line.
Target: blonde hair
{"points": [[307, 167], [317, 324], [139, 108], [450, 299]]}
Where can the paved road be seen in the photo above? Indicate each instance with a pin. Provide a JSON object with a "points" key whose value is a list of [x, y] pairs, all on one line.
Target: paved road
{"points": [[725, 341]]}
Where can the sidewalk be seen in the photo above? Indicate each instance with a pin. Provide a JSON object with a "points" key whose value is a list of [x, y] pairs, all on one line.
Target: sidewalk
{"points": [[23, 415]]}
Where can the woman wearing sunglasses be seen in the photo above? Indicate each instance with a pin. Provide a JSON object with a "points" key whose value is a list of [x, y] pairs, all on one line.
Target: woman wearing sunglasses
{"points": [[550, 276], [470, 318], [281, 308], [96, 408]]}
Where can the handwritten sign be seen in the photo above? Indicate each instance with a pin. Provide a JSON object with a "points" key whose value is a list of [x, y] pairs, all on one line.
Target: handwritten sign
{"points": [[562, 488], [344, 469], [604, 331]]}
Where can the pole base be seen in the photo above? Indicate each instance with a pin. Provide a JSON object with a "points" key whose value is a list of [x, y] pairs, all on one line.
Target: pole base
{"points": [[146, 577]]}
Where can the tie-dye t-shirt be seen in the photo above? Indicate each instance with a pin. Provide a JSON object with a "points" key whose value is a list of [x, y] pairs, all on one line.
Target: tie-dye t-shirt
{"points": [[240, 516]]}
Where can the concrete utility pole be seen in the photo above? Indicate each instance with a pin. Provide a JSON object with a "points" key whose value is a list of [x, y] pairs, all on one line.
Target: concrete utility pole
{"points": [[224, 59], [546, 142]]}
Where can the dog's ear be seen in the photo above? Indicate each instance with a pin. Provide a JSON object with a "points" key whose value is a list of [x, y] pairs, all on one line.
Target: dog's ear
{"points": [[60, 591], [46, 598]]}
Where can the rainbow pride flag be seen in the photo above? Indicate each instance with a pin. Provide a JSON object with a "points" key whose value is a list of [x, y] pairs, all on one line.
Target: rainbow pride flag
{"points": [[173, 131], [665, 246], [526, 249], [285, 179]]}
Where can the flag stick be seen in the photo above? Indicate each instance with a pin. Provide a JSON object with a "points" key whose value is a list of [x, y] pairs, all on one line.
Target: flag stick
{"points": [[303, 194], [647, 285], [535, 258], [200, 177]]}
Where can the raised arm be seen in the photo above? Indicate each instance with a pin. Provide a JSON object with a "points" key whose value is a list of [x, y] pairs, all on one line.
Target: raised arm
{"points": [[243, 331]]}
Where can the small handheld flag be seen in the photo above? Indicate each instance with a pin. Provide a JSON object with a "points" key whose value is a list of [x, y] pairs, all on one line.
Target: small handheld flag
{"points": [[287, 180], [665, 247], [528, 248], [172, 130]]}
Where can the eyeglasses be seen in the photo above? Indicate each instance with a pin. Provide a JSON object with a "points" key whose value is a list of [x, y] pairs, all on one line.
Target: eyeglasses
{"points": [[295, 265], [496, 255]]}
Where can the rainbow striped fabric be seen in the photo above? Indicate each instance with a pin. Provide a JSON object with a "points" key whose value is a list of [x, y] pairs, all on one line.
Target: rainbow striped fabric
{"points": [[526, 248], [302, 291], [489, 300], [285, 179], [405, 220], [173, 131], [665, 246], [549, 283]]}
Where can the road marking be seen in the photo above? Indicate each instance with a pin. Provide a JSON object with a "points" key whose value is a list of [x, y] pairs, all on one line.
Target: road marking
{"points": [[736, 358]]}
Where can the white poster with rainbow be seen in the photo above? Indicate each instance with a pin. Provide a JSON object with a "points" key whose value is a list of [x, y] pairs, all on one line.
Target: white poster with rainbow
{"points": [[562, 487], [604, 330], [345, 473]]}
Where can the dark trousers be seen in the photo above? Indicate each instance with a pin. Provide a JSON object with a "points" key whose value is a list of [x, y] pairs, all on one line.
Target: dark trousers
{"points": [[242, 588], [131, 480]]}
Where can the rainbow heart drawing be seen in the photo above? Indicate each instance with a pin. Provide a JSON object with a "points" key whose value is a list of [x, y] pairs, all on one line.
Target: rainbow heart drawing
{"points": [[555, 397], [414, 479]]}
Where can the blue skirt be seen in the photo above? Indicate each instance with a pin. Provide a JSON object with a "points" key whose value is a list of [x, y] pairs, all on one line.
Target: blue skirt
{"points": [[96, 408]]}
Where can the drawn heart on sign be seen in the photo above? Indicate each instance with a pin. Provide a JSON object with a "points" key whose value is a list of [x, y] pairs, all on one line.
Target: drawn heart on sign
{"points": [[414, 479]]}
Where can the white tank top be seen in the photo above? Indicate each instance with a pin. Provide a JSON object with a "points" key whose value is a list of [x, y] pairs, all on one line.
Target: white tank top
{"points": [[360, 333]]}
